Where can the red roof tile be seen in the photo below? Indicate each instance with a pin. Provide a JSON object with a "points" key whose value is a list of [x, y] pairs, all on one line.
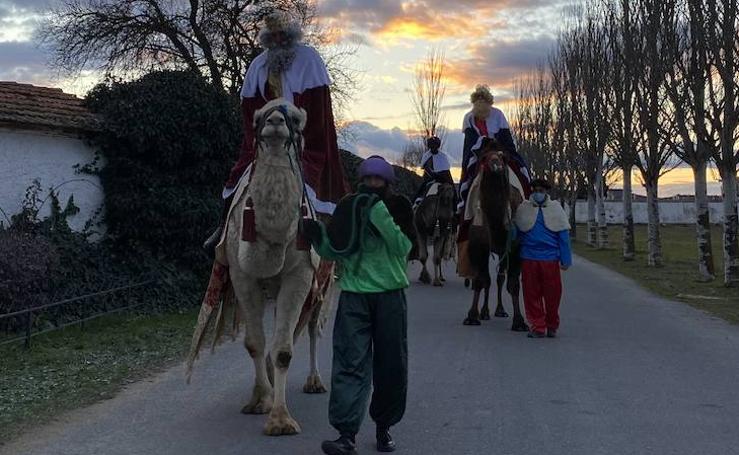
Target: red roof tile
{"points": [[29, 106]]}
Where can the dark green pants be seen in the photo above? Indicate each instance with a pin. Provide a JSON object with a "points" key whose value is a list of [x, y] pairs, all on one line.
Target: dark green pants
{"points": [[370, 348]]}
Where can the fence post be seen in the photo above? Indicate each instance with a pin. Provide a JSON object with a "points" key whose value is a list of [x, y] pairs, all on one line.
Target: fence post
{"points": [[29, 323]]}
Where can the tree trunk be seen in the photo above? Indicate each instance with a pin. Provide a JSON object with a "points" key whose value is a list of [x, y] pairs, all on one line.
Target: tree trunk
{"points": [[601, 205], [592, 227], [629, 246], [654, 242], [573, 216], [706, 270], [731, 220]]}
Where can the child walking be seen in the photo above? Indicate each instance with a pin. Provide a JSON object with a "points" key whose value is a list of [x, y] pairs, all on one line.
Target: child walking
{"points": [[370, 331], [545, 249]]}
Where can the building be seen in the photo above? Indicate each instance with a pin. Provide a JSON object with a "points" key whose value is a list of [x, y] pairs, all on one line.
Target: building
{"points": [[42, 136]]}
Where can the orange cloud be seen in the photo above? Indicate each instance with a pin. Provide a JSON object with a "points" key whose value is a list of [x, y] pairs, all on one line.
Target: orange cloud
{"points": [[431, 28]]}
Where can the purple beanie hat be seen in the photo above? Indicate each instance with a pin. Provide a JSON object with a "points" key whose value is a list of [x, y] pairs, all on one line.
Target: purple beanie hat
{"points": [[377, 166]]}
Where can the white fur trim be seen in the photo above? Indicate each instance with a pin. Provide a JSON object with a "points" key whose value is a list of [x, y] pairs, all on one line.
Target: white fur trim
{"points": [[496, 121], [307, 71], [441, 161], [555, 218]]}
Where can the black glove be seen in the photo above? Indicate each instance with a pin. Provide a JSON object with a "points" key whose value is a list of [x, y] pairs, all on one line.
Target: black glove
{"points": [[311, 230]]}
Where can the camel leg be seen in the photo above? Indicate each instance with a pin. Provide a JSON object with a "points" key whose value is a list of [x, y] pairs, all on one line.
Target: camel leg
{"points": [[314, 383], [514, 289], [500, 311], [423, 255], [479, 283], [438, 253], [293, 292], [252, 303], [485, 313]]}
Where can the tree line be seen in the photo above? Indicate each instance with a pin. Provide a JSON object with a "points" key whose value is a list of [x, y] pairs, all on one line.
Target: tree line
{"points": [[639, 86]]}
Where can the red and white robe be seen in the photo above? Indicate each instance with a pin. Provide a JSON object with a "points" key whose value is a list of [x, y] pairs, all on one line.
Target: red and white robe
{"points": [[305, 84]]}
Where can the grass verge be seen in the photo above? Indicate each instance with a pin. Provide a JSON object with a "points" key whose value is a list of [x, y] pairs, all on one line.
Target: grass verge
{"points": [[72, 367], [677, 280]]}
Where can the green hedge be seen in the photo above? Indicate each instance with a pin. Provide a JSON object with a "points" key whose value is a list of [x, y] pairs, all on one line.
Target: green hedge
{"points": [[168, 141]]}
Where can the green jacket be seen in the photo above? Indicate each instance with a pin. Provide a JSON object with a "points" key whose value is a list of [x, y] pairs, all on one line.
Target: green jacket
{"points": [[381, 265]]}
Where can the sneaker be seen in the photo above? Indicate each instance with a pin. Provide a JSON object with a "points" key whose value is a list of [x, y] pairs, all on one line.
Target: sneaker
{"points": [[385, 442], [345, 445], [533, 334]]}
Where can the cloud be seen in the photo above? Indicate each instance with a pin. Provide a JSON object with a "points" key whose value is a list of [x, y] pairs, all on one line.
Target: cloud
{"points": [[23, 61], [498, 62], [371, 140], [393, 20]]}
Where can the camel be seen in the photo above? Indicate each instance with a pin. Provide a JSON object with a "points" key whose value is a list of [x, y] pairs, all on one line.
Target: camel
{"points": [[434, 221], [498, 203], [272, 265]]}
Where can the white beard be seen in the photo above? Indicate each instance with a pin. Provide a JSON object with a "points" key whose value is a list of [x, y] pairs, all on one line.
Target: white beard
{"points": [[279, 59]]}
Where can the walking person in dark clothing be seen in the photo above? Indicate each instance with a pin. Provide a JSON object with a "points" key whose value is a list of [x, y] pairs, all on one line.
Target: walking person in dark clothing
{"points": [[370, 332]]}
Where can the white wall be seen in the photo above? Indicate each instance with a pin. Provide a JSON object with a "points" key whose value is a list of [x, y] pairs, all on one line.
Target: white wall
{"points": [[669, 212], [29, 155]]}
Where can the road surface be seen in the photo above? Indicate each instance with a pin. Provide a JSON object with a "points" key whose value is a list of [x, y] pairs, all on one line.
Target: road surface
{"points": [[630, 374]]}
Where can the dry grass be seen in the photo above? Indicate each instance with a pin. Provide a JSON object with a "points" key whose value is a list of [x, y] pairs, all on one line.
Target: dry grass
{"points": [[677, 280]]}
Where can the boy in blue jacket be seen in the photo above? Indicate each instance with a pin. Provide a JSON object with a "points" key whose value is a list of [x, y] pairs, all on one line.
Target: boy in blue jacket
{"points": [[545, 249]]}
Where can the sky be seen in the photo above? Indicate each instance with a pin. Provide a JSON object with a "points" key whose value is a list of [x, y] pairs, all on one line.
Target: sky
{"points": [[484, 41]]}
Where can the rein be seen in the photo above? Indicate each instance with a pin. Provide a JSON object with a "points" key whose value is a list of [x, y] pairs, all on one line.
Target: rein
{"points": [[510, 226], [294, 142]]}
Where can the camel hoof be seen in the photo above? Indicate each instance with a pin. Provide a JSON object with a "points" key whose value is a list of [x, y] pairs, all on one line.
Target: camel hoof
{"points": [[470, 321], [280, 423], [263, 406], [314, 385], [438, 283], [520, 327], [501, 314]]}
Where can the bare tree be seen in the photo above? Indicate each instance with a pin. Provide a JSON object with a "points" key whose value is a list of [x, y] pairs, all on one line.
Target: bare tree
{"points": [[215, 38], [722, 18], [620, 28], [656, 156], [585, 51], [687, 87], [428, 93], [533, 121]]}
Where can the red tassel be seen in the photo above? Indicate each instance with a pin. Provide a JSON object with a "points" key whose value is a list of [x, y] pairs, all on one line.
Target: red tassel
{"points": [[249, 228], [301, 243]]}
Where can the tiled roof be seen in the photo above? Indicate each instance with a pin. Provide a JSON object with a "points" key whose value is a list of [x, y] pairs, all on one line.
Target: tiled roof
{"points": [[32, 107]]}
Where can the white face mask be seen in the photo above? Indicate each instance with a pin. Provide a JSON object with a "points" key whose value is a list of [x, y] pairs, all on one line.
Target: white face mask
{"points": [[539, 198]]}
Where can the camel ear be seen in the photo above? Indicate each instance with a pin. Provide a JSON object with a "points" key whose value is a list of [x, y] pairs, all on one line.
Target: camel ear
{"points": [[299, 118]]}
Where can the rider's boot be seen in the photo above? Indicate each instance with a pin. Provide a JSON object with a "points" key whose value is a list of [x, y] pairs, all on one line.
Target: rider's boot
{"points": [[210, 244]]}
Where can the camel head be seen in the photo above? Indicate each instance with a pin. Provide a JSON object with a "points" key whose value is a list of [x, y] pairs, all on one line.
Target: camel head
{"points": [[494, 163], [279, 123]]}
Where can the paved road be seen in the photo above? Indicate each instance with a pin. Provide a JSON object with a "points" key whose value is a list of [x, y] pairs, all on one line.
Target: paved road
{"points": [[630, 374]]}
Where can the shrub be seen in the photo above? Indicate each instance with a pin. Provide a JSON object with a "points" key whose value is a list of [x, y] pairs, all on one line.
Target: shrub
{"points": [[168, 140]]}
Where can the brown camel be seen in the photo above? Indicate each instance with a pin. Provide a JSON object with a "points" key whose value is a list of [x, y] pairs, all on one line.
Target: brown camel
{"points": [[498, 204], [434, 220]]}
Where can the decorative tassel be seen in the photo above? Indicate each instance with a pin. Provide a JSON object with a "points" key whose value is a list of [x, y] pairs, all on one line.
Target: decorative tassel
{"points": [[301, 243], [249, 228]]}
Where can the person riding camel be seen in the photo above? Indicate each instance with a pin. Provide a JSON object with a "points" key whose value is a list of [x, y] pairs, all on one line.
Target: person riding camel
{"points": [[436, 168], [486, 130], [487, 121], [294, 71]]}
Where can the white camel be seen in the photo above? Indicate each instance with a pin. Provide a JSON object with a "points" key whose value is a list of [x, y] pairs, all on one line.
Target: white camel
{"points": [[272, 266]]}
